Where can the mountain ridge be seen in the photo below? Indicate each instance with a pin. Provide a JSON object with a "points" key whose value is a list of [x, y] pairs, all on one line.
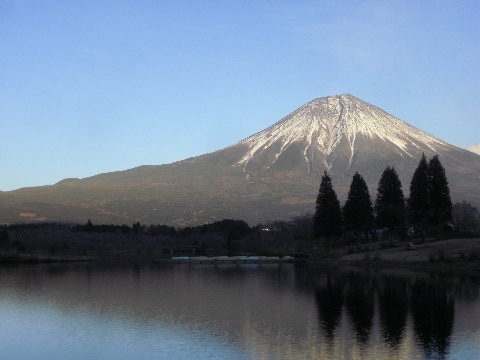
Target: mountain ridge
{"points": [[273, 174]]}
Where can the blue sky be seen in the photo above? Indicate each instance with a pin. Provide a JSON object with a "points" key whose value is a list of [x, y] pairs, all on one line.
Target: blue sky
{"points": [[89, 87]]}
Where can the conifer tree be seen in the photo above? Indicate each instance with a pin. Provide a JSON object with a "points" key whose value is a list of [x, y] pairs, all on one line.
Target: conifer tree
{"points": [[419, 201], [358, 211], [390, 202], [327, 221], [89, 227], [4, 237], [439, 194]]}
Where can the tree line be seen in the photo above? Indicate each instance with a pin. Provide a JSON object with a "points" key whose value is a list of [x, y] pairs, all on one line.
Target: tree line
{"points": [[426, 212], [233, 229]]}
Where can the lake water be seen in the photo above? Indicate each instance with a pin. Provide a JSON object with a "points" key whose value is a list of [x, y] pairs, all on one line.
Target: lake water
{"points": [[268, 311]]}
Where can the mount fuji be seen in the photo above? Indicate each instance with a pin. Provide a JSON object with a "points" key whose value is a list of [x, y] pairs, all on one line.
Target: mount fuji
{"points": [[271, 175]]}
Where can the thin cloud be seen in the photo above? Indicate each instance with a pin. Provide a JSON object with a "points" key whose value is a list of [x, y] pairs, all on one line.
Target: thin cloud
{"points": [[474, 148]]}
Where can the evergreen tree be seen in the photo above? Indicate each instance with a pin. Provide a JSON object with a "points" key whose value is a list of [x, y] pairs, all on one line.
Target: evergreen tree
{"points": [[89, 227], [327, 221], [439, 194], [390, 203], [419, 201], [4, 237], [358, 211], [136, 228]]}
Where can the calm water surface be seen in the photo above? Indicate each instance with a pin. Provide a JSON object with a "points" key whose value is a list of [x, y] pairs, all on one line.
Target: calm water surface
{"points": [[235, 312]]}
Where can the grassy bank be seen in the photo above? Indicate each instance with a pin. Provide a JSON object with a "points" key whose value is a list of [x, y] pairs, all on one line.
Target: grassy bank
{"points": [[445, 254]]}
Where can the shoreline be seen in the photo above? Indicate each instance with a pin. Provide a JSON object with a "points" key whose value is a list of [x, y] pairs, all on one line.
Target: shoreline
{"points": [[455, 265], [473, 267], [37, 259], [442, 255]]}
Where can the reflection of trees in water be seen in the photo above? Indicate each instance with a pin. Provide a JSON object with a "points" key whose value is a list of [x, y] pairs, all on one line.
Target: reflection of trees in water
{"points": [[360, 304], [433, 314], [356, 292], [429, 300], [393, 307], [467, 288], [329, 304]]}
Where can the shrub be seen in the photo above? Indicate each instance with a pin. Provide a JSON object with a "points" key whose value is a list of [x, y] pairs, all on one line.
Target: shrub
{"points": [[474, 254], [19, 246], [441, 254]]}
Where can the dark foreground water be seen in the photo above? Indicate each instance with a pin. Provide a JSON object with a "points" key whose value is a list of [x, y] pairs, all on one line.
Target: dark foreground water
{"points": [[235, 312]]}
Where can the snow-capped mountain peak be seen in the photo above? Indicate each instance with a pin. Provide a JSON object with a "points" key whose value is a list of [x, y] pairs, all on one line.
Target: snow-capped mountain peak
{"points": [[324, 123]]}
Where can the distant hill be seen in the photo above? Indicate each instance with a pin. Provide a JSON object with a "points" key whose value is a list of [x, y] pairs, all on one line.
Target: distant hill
{"points": [[271, 175]]}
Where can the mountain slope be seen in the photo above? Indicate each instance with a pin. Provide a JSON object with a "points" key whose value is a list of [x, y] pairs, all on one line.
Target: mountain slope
{"points": [[273, 174]]}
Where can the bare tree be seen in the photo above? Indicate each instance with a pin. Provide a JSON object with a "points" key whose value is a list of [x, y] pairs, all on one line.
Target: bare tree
{"points": [[464, 217]]}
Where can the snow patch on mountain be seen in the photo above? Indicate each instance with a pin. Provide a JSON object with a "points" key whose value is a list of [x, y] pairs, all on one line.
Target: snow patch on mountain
{"points": [[325, 123]]}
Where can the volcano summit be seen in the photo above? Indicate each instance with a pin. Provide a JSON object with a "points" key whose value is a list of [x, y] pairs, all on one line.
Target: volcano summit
{"points": [[273, 174]]}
